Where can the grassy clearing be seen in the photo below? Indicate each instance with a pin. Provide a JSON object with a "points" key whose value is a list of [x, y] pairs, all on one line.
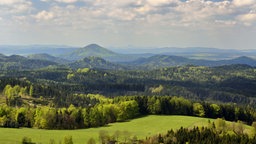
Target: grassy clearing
{"points": [[141, 127]]}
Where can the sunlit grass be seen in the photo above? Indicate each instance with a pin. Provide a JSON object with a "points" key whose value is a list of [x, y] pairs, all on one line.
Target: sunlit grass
{"points": [[141, 128]]}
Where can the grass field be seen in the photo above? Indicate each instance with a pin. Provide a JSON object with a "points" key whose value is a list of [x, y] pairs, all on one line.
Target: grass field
{"points": [[141, 127]]}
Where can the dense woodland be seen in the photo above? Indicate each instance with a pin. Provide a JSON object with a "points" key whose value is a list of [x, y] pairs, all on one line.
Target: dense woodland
{"points": [[232, 83]]}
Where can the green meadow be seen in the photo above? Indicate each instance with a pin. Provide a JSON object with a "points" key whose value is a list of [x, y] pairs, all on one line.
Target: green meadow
{"points": [[141, 128]]}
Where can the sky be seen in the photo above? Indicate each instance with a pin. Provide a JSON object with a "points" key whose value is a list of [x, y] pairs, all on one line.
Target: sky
{"points": [[229, 24]]}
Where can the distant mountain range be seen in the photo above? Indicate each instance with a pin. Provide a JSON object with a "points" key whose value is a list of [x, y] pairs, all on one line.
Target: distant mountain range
{"points": [[125, 54], [35, 49], [95, 56], [191, 52], [16, 62]]}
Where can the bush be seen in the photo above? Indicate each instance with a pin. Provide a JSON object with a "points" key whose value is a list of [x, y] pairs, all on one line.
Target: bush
{"points": [[68, 140], [27, 140]]}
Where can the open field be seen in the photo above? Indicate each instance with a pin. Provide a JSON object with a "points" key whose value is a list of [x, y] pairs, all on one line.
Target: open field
{"points": [[141, 127]]}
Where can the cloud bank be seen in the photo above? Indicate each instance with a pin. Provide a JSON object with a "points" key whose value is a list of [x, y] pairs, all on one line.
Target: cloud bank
{"points": [[140, 22]]}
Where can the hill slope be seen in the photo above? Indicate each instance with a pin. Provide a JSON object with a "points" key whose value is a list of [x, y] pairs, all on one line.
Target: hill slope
{"points": [[94, 62], [191, 52], [16, 62], [159, 61], [90, 50], [48, 57], [99, 51]]}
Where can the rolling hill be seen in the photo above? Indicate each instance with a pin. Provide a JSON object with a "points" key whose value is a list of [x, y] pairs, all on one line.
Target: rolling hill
{"points": [[99, 51], [54, 50], [16, 62], [96, 56], [239, 60], [159, 61], [125, 54], [94, 62], [190, 52], [48, 57], [88, 51]]}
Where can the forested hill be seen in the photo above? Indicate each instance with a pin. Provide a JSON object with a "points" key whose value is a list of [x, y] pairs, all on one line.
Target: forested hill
{"points": [[89, 50], [37, 61], [94, 50], [160, 61], [95, 62], [16, 62], [47, 57]]}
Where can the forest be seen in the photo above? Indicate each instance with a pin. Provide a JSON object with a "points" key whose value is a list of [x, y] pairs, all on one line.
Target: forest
{"points": [[228, 84]]}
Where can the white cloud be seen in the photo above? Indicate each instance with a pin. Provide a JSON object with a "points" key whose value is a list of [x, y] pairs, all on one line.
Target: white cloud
{"points": [[250, 17], [162, 2], [247, 19], [23, 7], [144, 9], [120, 14], [14, 6], [241, 3], [10, 2], [61, 1], [169, 12], [201, 14], [67, 1], [226, 22], [44, 15]]}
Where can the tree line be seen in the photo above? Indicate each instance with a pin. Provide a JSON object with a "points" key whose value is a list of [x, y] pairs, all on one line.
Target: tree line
{"points": [[108, 110]]}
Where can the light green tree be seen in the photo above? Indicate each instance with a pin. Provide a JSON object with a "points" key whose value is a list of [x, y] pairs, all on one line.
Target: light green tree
{"points": [[221, 125], [198, 109], [31, 90], [215, 110]]}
